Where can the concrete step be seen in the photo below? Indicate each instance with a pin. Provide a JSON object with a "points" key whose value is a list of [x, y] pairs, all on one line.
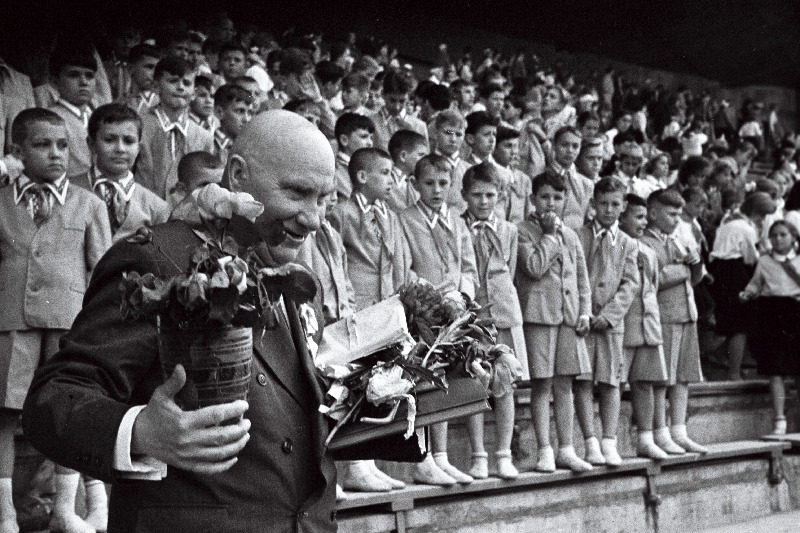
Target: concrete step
{"points": [[731, 483], [778, 523]]}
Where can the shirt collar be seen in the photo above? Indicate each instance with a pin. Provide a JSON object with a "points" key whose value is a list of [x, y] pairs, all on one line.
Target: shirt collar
{"points": [[58, 188], [124, 186], [475, 224], [434, 217], [781, 258], [167, 125], [343, 158], [452, 159], [82, 113], [561, 170], [597, 229], [657, 233], [398, 175], [222, 140], [378, 206]]}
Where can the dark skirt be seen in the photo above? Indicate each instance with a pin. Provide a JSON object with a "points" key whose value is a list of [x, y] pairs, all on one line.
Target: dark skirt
{"points": [[730, 278], [774, 337]]}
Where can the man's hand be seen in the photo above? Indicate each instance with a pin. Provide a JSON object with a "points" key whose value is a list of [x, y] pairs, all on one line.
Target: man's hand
{"points": [[191, 440]]}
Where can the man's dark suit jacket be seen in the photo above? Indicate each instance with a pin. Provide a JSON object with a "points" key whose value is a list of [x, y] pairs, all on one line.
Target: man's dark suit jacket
{"points": [[282, 481]]}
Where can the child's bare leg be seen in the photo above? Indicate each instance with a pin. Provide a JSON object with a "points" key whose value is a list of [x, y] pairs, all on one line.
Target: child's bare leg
{"points": [[584, 409], [661, 434], [679, 403], [428, 471], [736, 346], [643, 407], [540, 416], [64, 519], [504, 420], [8, 515], [479, 468], [564, 409], [777, 388], [439, 447], [610, 401]]}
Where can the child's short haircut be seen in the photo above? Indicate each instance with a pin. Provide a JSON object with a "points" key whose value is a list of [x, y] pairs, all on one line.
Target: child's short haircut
{"points": [[431, 163], [295, 61], [505, 133], [451, 118], [396, 83], [141, 51], [459, 84], [231, 46], [229, 94], [245, 79], [586, 116], [563, 130], [72, 53], [694, 165], [366, 65], [768, 186], [112, 114], [609, 185], [175, 35], [274, 59], [548, 177], [758, 203], [624, 137], [204, 82], [632, 200], [355, 80], [298, 104], [350, 122], [19, 128], [485, 172], [632, 150], [194, 161], [196, 37], [590, 142], [362, 159], [477, 120], [176, 66], [438, 96], [329, 72], [487, 90], [405, 140], [690, 194], [665, 197]]}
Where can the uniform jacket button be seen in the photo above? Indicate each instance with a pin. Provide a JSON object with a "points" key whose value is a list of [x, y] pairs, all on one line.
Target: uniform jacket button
{"points": [[287, 446], [262, 379]]}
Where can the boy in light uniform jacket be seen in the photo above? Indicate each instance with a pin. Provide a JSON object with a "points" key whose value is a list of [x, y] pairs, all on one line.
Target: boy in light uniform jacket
{"points": [[611, 263], [495, 244], [645, 366], [679, 270], [442, 254]]}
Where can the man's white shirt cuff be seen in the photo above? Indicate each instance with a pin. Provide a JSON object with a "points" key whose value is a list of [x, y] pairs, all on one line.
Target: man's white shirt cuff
{"points": [[142, 467]]}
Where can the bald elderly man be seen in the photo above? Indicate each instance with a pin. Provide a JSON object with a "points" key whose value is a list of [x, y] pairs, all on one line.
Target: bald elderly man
{"points": [[100, 407]]}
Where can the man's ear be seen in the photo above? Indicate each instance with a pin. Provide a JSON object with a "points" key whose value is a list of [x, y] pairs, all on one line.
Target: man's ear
{"points": [[402, 156], [361, 177], [343, 140], [413, 181], [237, 174], [218, 111], [469, 138]]}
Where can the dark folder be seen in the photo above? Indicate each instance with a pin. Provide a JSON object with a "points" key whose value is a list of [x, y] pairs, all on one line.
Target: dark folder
{"points": [[360, 440]]}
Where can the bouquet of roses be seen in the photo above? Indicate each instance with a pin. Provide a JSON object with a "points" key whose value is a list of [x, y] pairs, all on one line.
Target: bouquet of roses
{"points": [[444, 335], [224, 285]]}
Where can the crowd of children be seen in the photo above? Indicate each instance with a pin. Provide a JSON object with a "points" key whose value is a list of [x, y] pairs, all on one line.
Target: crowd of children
{"points": [[606, 253]]}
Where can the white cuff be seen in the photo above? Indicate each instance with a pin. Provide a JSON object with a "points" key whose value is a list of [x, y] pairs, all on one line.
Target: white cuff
{"points": [[143, 467], [587, 318], [3, 168]]}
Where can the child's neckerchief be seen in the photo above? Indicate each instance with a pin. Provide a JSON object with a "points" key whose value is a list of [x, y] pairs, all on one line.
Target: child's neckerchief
{"points": [[432, 219]]}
